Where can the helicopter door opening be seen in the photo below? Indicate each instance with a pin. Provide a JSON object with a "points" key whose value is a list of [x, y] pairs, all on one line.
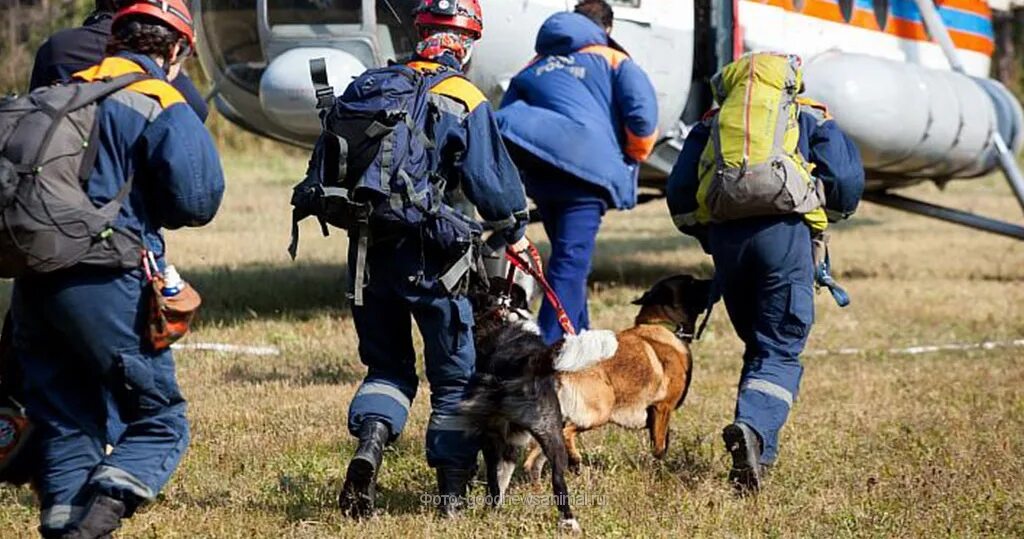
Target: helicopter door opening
{"points": [[705, 62], [350, 35], [374, 31]]}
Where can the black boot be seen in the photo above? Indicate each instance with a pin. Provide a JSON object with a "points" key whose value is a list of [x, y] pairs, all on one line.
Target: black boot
{"points": [[357, 495], [101, 518], [745, 447], [452, 484]]}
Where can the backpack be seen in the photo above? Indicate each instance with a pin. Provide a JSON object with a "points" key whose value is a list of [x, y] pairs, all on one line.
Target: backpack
{"points": [[373, 171], [753, 167], [49, 140]]}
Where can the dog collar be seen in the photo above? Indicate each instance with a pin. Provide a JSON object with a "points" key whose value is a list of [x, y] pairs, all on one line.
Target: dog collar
{"points": [[677, 329]]}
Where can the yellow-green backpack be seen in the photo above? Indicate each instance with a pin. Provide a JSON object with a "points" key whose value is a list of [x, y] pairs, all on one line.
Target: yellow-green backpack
{"points": [[752, 166]]}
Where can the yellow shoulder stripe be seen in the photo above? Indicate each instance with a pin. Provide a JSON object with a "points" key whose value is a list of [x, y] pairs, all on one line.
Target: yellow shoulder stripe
{"points": [[823, 108], [115, 66], [462, 90], [160, 90]]}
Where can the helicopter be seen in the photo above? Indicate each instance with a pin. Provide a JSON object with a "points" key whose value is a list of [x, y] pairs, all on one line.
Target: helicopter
{"points": [[907, 80]]}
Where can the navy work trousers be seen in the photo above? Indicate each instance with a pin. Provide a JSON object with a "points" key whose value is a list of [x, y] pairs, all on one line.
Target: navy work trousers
{"points": [[403, 286], [571, 226], [91, 381], [764, 270]]}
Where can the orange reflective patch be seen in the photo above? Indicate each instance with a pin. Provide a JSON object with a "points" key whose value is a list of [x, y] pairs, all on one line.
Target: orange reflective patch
{"points": [[160, 90], [806, 101], [423, 65], [639, 148], [113, 66], [614, 57], [457, 87], [116, 66]]}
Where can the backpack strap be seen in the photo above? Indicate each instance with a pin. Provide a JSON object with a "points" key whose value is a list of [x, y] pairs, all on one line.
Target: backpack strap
{"points": [[324, 91], [85, 94]]}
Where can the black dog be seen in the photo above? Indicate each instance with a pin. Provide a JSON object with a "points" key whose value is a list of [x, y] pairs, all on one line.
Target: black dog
{"points": [[513, 395]]}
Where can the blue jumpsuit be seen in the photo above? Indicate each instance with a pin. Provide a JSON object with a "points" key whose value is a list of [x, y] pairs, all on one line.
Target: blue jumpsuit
{"points": [[579, 119], [764, 270], [403, 284], [78, 333]]}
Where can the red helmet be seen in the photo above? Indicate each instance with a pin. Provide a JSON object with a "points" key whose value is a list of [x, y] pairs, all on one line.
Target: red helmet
{"points": [[172, 12], [464, 15]]}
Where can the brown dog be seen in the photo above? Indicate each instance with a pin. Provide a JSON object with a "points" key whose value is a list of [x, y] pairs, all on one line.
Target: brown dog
{"points": [[647, 378]]}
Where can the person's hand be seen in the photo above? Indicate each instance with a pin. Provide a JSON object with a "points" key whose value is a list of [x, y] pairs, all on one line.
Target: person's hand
{"points": [[520, 246]]}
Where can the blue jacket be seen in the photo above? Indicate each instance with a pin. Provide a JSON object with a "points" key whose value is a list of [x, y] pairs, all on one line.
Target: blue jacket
{"points": [[75, 49], [471, 154], [584, 107], [836, 158], [148, 132]]}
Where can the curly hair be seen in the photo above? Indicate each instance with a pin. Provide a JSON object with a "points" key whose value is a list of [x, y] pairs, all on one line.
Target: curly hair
{"points": [[598, 11], [143, 35]]}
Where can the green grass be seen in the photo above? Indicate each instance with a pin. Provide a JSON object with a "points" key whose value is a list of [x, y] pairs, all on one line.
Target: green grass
{"points": [[878, 444]]}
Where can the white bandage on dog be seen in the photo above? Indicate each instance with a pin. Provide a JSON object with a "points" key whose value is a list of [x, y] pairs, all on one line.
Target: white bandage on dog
{"points": [[585, 350]]}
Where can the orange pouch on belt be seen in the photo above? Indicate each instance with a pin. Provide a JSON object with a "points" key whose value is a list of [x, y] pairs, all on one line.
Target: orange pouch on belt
{"points": [[170, 317]]}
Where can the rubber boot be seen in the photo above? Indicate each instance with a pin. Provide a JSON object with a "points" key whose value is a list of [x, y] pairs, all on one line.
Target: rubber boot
{"points": [[745, 447], [452, 484], [357, 495], [102, 517]]}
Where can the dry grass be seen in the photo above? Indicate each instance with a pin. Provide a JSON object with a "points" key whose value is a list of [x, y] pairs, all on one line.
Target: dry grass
{"points": [[879, 444]]}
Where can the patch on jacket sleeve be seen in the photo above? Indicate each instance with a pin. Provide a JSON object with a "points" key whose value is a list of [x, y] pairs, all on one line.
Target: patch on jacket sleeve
{"points": [[462, 90]]}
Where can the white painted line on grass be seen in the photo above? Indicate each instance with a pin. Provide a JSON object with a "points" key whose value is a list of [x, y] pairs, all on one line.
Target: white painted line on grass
{"points": [[926, 349], [228, 348]]}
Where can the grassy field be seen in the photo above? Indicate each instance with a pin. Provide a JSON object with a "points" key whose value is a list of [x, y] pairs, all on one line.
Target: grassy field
{"points": [[879, 444]]}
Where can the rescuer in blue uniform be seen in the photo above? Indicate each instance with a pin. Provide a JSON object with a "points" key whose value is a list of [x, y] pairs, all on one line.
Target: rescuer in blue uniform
{"points": [[74, 49], [79, 334], [579, 120], [765, 272], [404, 278]]}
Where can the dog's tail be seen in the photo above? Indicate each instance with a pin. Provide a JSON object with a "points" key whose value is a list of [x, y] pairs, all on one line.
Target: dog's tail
{"points": [[582, 351]]}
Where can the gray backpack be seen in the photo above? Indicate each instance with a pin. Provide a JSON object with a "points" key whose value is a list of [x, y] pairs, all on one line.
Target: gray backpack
{"points": [[49, 140]]}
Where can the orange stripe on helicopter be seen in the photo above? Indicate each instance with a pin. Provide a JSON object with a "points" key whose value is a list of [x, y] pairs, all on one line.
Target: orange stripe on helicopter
{"points": [[902, 28]]}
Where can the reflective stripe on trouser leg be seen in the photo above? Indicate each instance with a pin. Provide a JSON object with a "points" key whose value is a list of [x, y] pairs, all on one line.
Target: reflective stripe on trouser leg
{"points": [[111, 479], [377, 399], [765, 270], [451, 441], [446, 324], [58, 517], [156, 431], [384, 326]]}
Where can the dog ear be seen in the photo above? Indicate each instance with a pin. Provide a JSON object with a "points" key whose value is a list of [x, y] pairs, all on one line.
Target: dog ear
{"points": [[659, 294]]}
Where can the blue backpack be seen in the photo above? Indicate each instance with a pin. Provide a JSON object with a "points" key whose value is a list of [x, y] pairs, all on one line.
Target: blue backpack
{"points": [[374, 170]]}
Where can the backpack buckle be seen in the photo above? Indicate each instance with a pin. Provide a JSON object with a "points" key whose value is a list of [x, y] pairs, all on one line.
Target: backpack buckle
{"points": [[324, 90]]}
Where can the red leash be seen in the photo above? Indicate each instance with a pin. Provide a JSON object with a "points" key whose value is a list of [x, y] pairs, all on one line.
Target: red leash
{"points": [[549, 293]]}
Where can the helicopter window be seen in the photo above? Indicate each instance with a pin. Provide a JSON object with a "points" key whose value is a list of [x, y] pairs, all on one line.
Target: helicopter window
{"points": [[231, 34], [315, 11], [881, 12], [397, 16], [846, 9]]}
